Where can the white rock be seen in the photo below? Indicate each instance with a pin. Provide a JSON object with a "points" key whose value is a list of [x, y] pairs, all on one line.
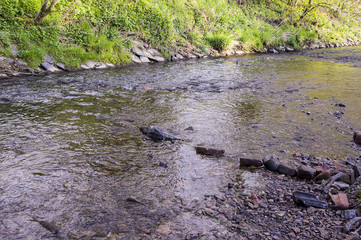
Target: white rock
{"points": [[135, 59], [144, 59]]}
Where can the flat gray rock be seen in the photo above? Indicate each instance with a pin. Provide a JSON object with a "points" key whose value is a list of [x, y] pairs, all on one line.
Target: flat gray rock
{"points": [[101, 66], [61, 66], [110, 65], [135, 59], [158, 59], [144, 59], [91, 64], [138, 51], [85, 66], [50, 68], [154, 52]]}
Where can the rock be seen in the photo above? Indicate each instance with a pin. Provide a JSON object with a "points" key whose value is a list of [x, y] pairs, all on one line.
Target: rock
{"points": [[133, 199], [341, 185], [340, 201], [271, 162], [348, 177], [154, 52], [91, 64], [247, 162], [272, 50], [49, 59], [164, 230], [210, 151], [14, 50], [135, 59], [349, 214], [189, 129], [101, 66], [109, 65], [138, 51], [48, 67], [305, 172], [287, 168], [50, 226], [144, 59], [356, 170], [340, 105], [338, 114], [308, 200], [61, 66], [84, 66], [357, 137], [163, 165], [158, 59], [157, 134], [323, 175], [3, 76], [288, 49], [147, 54]]}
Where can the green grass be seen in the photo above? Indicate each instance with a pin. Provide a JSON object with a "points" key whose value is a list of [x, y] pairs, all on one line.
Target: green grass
{"points": [[101, 30]]}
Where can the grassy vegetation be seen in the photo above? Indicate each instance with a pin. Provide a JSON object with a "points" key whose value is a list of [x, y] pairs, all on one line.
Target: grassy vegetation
{"points": [[102, 30]]}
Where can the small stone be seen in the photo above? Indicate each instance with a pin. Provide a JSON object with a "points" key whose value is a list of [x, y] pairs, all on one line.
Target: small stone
{"points": [[189, 129], [288, 49], [135, 59], [110, 65], [340, 105], [271, 162], [348, 177], [340, 201], [341, 185], [357, 137], [210, 151], [308, 200], [144, 59], [61, 66], [138, 51], [296, 229], [247, 162], [287, 168], [158, 59], [164, 229], [49, 59], [305, 172], [325, 175], [311, 210], [349, 214], [48, 67]]}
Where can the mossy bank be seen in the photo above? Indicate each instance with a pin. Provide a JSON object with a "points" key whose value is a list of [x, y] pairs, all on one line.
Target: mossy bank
{"points": [[51, 35]]}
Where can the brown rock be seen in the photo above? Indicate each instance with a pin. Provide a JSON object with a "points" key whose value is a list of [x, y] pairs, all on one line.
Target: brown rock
{"points": [[357, 137], [247, 162], [324, 167], [287, 168], [349, 175], [340, 201], [164, 229], [305, 172], [325, 175], [210, 151]]}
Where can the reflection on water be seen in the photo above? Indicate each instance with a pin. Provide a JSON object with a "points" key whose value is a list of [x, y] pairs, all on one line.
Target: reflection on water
{"points": [[71, 152]]}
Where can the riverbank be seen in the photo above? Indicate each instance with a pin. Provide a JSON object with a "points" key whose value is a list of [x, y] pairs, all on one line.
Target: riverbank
{"points": [[91, 35], [142, 53]]}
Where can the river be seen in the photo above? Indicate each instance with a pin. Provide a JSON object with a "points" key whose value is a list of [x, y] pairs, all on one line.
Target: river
{"points": [[71, 152]]}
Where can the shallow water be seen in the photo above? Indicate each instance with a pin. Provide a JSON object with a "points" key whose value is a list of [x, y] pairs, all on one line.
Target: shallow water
{"points": [[71, 152]]}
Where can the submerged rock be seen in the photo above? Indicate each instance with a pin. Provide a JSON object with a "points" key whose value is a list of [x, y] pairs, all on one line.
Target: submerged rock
{"points": [[210, 151], [156, 133], [308, 200], [250, 162]]}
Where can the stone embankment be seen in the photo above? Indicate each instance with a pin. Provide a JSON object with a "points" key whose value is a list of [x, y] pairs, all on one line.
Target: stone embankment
{"points": [[142, 53]]}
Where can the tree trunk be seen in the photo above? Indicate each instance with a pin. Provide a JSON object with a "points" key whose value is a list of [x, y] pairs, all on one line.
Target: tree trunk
{"points": [[45, 11]]}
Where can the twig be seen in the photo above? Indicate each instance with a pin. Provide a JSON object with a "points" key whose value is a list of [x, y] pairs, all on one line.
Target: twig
{"points": [[331, 181], [350, 223]]}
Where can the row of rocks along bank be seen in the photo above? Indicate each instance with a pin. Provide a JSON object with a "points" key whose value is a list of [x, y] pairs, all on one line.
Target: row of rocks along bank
{"points": [[142, 53], [305, 197]]}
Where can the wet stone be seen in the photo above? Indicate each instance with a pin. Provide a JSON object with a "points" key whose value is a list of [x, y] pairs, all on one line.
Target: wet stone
{"points": [[157, 133], [248, 162], [308, 200], [210, 151], [287, 168], [271, 162], [349, 214], [305, 172]]}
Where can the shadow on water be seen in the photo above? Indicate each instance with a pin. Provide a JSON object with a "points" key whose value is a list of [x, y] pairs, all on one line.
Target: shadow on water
{"points": [[71, 152]]}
